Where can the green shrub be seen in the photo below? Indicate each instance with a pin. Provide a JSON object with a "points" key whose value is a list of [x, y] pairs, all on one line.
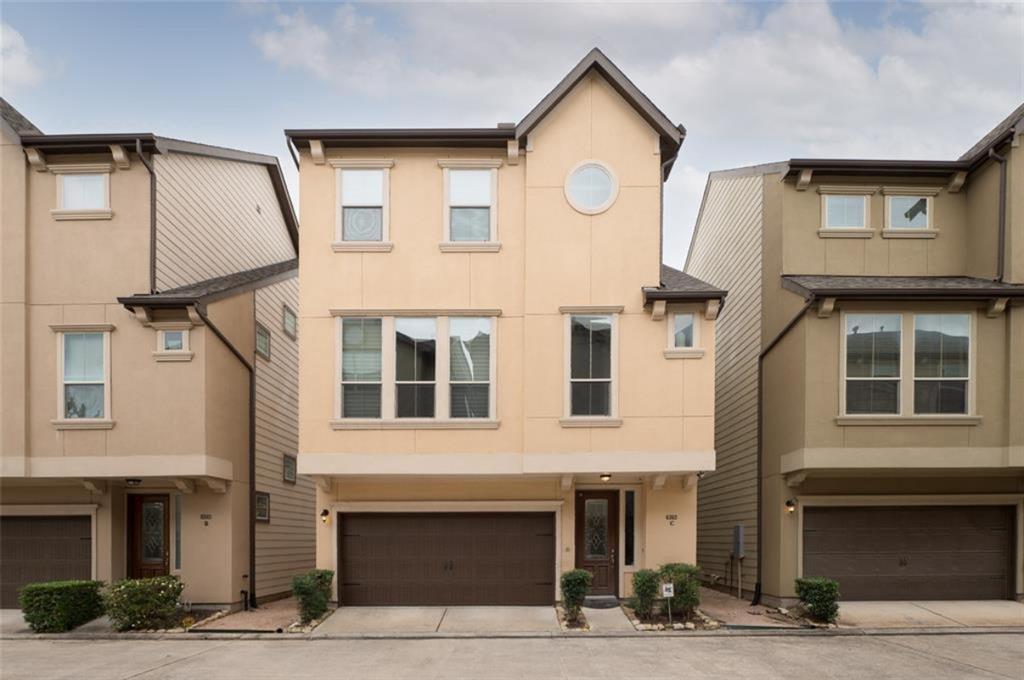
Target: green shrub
{"points": [[313, 591], [645, 592], [575, 585], [144, 603], [820, 597], [685, 579], [59, 606]]}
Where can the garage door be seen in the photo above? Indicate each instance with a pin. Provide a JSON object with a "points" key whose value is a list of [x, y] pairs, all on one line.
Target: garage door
{"points": [[907, 553], [447, 558], [34, 549]]}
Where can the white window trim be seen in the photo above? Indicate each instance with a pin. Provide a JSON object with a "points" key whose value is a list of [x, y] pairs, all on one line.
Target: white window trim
{"points": [[447, 245], [161, 354], [491, 377], [927, 193], [568, 419], [287, 309], [61, 422], [972, 335], [905, 376], [596, 210], [256, 343], [442, 403], [62, 213], [673, 352], [340, 165], [863, 231]]}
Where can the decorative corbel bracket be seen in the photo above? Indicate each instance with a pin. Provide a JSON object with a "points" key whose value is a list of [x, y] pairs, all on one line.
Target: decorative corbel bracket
{"points": [[825, 307], [121, 159], [804, 180], [566, 482], [796, 479], [513, 152], [323, 483], [186, 486], [37, 159], [711, 308], [193, 316], [143, 315], [689, 482], [94, 486], [658, 482], [956, 181], [216, 485], [996, 307], [658, 310], [316, 150]]}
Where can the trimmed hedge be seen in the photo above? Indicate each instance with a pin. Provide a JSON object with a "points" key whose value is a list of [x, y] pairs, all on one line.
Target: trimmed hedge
{"points": [[313, 592], [575, 585], [60, 606], [144, 603], [685, 579], [820, 597], [645, 592]]}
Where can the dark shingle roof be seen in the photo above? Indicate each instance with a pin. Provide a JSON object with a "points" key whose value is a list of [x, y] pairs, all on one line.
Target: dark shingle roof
{"points": [[215, 289], [992, 137], [21, 124], [942, 287], [677, 285]]}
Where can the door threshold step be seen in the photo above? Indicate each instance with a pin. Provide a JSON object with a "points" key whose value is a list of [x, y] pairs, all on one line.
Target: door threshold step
{"points": [[601, 602]]}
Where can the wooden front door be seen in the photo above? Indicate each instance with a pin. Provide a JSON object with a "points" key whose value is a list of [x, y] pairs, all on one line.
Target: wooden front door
{"points": [[149, 551], [597, 539]]}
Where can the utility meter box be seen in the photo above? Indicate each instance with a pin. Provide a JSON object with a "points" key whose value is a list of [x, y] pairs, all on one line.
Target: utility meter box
{"points": [[737, 542]]}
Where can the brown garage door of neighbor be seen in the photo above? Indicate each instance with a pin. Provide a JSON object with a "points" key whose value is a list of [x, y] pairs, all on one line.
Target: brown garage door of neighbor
{"points": [[447, 558], [34, 549], [912, 552]]}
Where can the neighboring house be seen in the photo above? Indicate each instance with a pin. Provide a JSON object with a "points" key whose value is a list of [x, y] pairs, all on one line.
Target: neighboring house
{"points": [[885, 299], [500, 381], [148, 399]]}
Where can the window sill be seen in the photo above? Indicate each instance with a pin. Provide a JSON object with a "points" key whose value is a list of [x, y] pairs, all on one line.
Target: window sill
{"points": [[846, 233], [173, 356], [910, 233], [587, 421], [415, 424], [908, 420], [683, 353], [96, 214], [470, 246], [82, 424], [362, 246]]}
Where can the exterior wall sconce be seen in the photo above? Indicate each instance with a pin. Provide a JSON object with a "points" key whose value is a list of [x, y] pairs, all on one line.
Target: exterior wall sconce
{"points": [[133, 482], [790, 505], [606, 477], [325, 515]]}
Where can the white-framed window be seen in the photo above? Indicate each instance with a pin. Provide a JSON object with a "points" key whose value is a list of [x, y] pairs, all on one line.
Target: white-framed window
{"points": [[392, 370], [289, 468], [842, 211], [363, 205], [173, 340], [262, 341], [591, 372], [907, 364], [684, 331], [289, 322], [83, 191], [84, 375], [591, 187], [470, 201], [262, 506], [908, 212]]}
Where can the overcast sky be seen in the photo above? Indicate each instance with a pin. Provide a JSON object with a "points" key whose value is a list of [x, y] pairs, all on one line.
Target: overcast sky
{"points": [[752, 82]]}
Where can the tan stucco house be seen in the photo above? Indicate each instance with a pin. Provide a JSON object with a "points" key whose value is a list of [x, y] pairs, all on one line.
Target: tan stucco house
{"points": [[880, 304], [499, 379], [148, 366]]}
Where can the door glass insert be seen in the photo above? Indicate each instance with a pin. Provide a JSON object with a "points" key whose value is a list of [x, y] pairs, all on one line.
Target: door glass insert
{"points": [[595, 529], [153, 531]]}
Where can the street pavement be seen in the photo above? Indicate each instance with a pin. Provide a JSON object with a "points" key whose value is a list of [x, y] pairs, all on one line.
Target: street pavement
{"points": [[950, 656]]}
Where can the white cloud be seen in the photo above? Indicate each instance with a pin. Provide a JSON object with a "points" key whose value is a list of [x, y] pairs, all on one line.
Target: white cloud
{"points": [[752, 83], [18, 67]]}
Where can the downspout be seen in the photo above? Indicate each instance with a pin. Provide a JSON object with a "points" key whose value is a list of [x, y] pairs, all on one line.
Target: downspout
{"points": [[152, 215], [252, 450], [291, 152], [1001, 255], [760, 438]]}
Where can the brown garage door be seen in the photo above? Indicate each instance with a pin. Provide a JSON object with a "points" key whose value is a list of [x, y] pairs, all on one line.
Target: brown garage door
{"points": [[34, 549], [447, 558], [912, 553]]}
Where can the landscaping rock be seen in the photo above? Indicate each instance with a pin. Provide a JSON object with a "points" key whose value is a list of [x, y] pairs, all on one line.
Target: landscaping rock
{"points": [[783, 611], [689, 625]]}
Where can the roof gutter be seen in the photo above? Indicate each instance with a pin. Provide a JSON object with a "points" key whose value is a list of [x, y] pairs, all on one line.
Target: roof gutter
{"points": [[152, 214], [252, 449], [1001, 255], [760, 439]]}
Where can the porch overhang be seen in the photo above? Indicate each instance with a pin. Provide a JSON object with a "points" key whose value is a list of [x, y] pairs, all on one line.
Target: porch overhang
{"points": [[171, 466]]}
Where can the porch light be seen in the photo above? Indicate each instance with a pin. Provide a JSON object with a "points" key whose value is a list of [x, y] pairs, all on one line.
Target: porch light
{"points": [[325, 515], [791, 505], [132, 481], [606, 477]]}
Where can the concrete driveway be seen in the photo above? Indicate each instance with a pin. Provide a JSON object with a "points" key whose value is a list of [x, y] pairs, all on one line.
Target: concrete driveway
{"points": [[399, 620], [931, 614], [12, 622]]}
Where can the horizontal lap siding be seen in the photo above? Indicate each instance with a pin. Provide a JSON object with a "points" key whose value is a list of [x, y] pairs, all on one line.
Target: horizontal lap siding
{"points": [[215, 217], [726, 252], [286, 545]]}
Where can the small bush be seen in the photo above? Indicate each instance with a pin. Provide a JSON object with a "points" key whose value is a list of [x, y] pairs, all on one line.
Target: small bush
{"points": [[313, 591], [645, 592], [59, 606], [820, 597], [685, 579], [144, 603], [575, 585]]}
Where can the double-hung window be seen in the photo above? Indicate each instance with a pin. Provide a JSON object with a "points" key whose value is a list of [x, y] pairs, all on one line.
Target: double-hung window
{"points": [[469, 362], [361, 368], [590, 365], [363, 194], [873, 363], [415, 367], [469, 205], [942, 350], [84, 376]]}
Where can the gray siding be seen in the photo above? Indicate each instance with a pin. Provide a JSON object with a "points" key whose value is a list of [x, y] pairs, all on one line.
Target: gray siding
{"points": [[215, 217], [286, 545], [726, 251]]}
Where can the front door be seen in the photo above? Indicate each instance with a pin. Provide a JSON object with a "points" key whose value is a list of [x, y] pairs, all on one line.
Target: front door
{"points": [[149, 552], [597, 539]]}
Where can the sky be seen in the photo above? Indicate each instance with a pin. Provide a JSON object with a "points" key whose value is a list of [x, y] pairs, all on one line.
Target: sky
{"points": [[752, 82]]}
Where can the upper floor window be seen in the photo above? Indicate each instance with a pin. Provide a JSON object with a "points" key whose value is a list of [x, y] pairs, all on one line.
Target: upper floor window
{"points": [[590, 362], [469, 345], [683, 330], [415, 367], [83, 191], [362, 205], [470, 200], [908, 212], [591, 187], [361, 368], [262, 341], [942, 350], [289, 322], [873, 363], [85, 375], [845, 212]]}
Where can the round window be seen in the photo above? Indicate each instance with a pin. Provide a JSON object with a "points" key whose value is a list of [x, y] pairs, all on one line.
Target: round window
{"points": [[591, 187]]}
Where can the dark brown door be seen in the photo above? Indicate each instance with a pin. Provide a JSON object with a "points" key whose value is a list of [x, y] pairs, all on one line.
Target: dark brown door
{"points": [[597, 539], [912, 552], [36, 549], [149, 552], [446, 558]]}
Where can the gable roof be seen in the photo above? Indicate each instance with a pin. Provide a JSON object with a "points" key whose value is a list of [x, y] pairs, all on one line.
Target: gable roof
{"points": [[679, 286], [14, 118], [214, 289]]}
